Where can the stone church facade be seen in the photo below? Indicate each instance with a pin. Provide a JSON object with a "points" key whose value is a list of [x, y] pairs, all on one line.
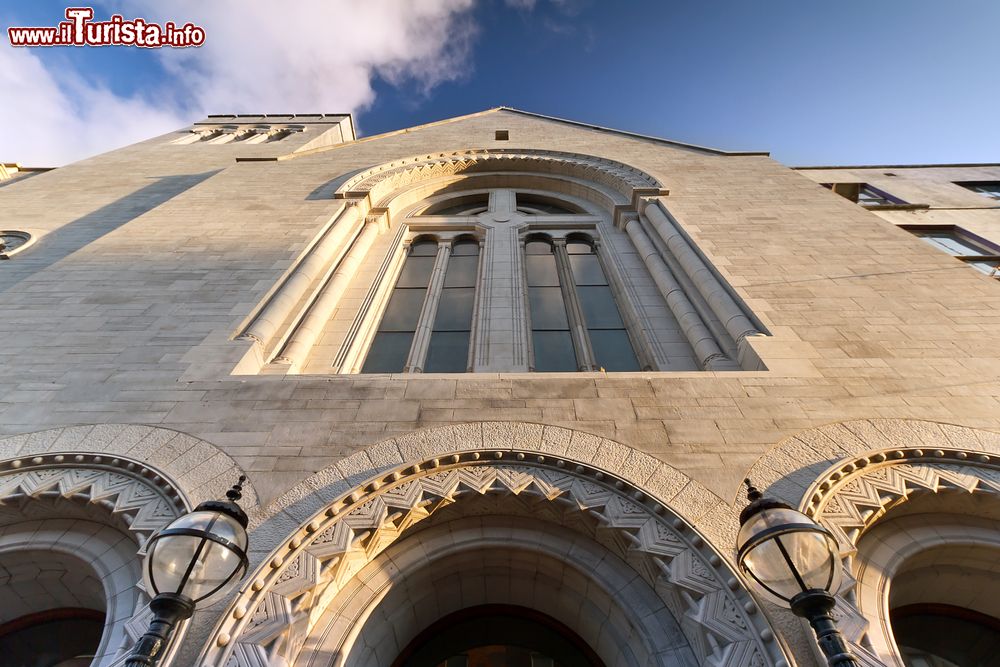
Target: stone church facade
{"points": [[502, 365]]}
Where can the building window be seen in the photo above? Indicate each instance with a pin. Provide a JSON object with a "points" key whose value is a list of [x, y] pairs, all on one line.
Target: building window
{"points": [[391, 347], [989, 189], [449, 346], [977, 252], [575, 321], [423, 301], [531, 204], [567, 318], [864, 194], [550, 332]]}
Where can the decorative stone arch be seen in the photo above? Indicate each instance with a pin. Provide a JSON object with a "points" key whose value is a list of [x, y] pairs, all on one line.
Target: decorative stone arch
{"points": [[378, 183], [862, 471], [89, 497], [351, 517]]}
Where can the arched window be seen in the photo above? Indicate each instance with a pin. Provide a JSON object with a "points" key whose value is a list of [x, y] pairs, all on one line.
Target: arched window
{"points": [[609, 339], [391, 346], [427, 323], [575, 322], [550, 332], [449, 346]]}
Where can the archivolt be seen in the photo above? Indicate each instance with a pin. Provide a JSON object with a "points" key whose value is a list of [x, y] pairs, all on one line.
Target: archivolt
{"points": [[382, 180], [877, 475], [272, 619]]}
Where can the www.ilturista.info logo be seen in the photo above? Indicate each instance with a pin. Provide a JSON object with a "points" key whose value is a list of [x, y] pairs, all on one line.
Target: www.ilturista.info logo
{"points": [[80, 30]]}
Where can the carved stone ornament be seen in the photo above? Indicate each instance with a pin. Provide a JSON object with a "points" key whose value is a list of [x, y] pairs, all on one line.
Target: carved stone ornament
{"points": [[854, 494], [380, 181], [281, 606], [140, 498], [114, 491]]}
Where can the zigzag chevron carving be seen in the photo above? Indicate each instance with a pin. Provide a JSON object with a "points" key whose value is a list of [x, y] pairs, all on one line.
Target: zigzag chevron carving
{"points": [[855, 493], [383, 179], [129, 491], [271, 621], [137, 497]]}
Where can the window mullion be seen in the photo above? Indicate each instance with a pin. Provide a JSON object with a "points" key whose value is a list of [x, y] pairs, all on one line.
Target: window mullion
{"points": [[577, 325], [425, 325]]}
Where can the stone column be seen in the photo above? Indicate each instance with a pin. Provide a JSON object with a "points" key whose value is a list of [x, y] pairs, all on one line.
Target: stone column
{"points": [[318, 259], [705, 347], [309, 329], [737, 324], [425, 325]]}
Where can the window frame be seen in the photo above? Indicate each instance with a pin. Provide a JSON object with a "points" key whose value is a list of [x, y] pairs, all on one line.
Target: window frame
{"points": [[852, 191], [580, 333], [991, 251], [988, 189], [419, 350]]}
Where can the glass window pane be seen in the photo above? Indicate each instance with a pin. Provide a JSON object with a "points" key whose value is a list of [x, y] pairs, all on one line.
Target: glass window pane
{"points": [[541, 270], [388, 352], [537, 248], [578, 248], [951, 243], [544, 204], [454, 311], [553, 351], [587, 270], [448, 352], [613, 350], [416, 272], [463, 248], [599, 308], [990, 267], [462, 271], [547, 308], [403, 310], [424, 249]]}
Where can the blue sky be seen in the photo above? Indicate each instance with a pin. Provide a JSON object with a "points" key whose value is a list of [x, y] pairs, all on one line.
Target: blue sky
{"points": [[855, 82]]}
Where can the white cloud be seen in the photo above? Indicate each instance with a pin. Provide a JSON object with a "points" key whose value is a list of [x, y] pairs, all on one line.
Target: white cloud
{"points": [[310, 56], [47, 119]]}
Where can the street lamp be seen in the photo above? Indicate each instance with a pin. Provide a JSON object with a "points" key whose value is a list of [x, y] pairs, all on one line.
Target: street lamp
{"points": [[194, 561], [794, 562]]}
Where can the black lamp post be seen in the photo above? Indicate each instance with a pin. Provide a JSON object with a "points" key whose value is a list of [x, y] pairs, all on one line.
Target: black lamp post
{"points": [[195, 560], [794, 562]]}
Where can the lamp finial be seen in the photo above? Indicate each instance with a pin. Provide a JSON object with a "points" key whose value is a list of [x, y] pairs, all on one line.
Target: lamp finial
{"points": [[236, 492], [753, 493]]}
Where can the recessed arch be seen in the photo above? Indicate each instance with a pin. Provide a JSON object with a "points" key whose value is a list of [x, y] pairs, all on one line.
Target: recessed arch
{"points": [[95, 493], [278, 612], [852, 476]]}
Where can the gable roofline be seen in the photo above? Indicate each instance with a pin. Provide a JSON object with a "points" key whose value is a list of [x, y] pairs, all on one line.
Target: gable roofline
{"points": [[634, 135], [477, 114]]}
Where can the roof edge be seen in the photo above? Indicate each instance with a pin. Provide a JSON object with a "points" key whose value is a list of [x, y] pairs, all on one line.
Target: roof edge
{"points": [[635, 135], [475, 114], [944, 165]]}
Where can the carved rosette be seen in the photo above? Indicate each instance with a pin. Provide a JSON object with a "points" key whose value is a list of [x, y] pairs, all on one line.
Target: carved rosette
{"points": [[273, 617]]}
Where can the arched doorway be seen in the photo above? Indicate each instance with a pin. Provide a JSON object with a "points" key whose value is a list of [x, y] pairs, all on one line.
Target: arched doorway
{"points": [[363, 578], [497, 636]]}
